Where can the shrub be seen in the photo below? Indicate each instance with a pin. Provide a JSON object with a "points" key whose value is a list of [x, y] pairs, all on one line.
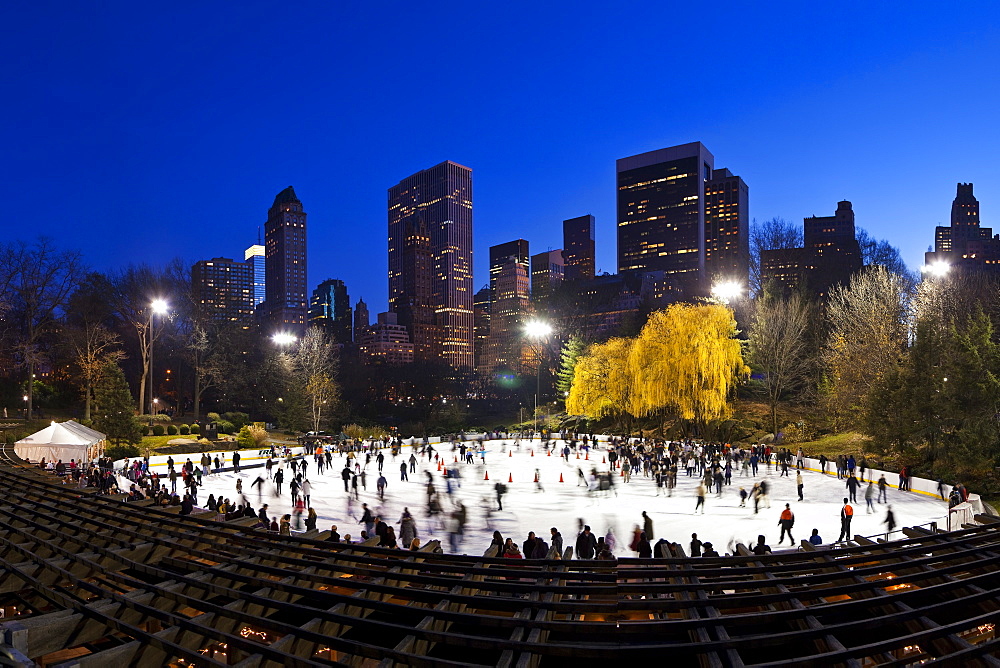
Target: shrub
{"points": [[245, 439], [185, 430], [225, 426], [214, 417], [158, 430], [195, 429], [237, 419], [121, 452], [172, 429]]}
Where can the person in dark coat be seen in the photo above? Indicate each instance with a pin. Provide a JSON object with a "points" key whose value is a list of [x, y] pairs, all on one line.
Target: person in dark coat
{"points": [[528, 546], [586, 544], [645, 550]]}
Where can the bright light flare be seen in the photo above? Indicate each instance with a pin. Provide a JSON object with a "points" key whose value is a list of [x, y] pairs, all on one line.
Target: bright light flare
{"points": [[283, 339], [937, 269], [159, 306], [537, 329], [727, 291]]}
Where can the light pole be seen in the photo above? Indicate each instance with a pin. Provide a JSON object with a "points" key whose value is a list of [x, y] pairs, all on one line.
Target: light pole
{"points": [[157, 306], [537, 330]]}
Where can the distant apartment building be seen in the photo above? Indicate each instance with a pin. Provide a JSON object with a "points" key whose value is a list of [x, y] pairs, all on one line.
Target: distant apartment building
{"points": [[965, 245], [222, 289], [510, 304], [386, 342], [830, 256], [361, 319], [330, 309]]}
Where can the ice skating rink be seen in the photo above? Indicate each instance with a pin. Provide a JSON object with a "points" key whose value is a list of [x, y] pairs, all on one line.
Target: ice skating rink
{"points": [[566, 504]]}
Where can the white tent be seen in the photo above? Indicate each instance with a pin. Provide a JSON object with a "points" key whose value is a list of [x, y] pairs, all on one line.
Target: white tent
{"points": [[62, 440]]}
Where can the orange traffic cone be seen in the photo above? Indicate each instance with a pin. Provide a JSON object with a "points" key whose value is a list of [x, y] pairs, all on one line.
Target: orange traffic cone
{"points": [[548, 453], [439, 465], [510, 477], [536, 477], [560, 477], [602, 460], [487, 476], [588, 456], [445, 471], [510, 453], [456, 459], [578, 455], [532, 452]]}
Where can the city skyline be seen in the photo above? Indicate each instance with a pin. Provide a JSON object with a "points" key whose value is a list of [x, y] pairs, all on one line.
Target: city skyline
{"points": [[814, 92]]}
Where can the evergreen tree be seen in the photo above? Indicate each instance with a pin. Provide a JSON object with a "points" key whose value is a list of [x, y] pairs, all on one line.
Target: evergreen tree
{"points": [[568, 357], [115, 413]]}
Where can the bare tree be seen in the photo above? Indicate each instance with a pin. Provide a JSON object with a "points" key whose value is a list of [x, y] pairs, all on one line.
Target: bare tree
{"points": [[869, 322], [39, 280], [203, 361], [778, 346], [134, 290], [771, 234], [315, 362], [879, 252]]}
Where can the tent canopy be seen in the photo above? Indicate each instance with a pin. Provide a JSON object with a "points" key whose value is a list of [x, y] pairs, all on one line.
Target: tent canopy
{"points": [[62, 441]]}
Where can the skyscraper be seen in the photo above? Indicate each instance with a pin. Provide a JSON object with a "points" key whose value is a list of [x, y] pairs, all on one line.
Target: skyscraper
{"points": [[727, 227], [430, 261], [223, 290], [578, 248], [679, 215], [361, 319], [547, 272], [330, 308], [481, 321], [254, 256], [509, 304], [285, 263], [965, 244], [501, 254]]}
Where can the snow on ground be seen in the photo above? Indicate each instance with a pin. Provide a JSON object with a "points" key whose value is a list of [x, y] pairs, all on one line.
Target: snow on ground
{"points": [[565, 505]]}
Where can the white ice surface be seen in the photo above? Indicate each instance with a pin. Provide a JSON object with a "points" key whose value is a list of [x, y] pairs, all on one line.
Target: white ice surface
{"points": [[563, 505]]}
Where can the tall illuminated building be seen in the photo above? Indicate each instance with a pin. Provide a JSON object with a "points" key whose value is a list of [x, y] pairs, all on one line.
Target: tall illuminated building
{"points": [[509, 304], [679, 215], [430, 262], [330, 309], [578, 248], [254, 256], [285, 264]]}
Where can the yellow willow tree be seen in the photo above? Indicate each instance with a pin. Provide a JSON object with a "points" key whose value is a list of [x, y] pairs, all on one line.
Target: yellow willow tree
{"points": [[601, 382], [686, 360]]}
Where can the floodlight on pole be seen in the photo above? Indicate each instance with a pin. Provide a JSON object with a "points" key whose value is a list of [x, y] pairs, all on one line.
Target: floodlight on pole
{"points": [[727, 291], [937, 269], [283, 339], [159, 307], [537, 330]]}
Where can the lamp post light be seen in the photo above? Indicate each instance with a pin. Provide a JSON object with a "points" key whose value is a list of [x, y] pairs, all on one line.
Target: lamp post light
{"points": [[936, 269], [727, 291], [283, 339], [159, 307], [26, 416], [537, 330]]}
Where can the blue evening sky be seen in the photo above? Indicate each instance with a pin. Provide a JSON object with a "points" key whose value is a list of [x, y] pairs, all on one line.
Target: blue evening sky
{"points": [[141, 131]]}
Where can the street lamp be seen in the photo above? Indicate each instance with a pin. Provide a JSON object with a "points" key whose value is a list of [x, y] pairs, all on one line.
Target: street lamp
{"points": [[936, 269], [727, 291], [159, 307], [26, 416], [537, 330], [283, 339]]}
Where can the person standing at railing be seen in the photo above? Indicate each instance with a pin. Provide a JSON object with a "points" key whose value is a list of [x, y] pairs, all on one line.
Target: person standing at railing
{"points": [[846, 515]]}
